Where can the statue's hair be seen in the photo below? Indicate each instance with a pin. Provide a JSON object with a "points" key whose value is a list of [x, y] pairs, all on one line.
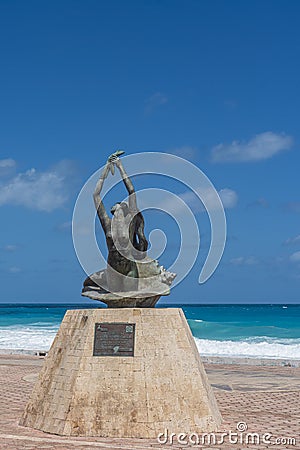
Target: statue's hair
{"points": [[141, 243]]}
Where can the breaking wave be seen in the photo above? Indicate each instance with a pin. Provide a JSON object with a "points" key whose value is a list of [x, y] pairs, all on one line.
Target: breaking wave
{"points": [[255, 347]]}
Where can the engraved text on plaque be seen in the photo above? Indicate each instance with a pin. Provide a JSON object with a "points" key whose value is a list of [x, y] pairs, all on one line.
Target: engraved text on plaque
{"points": [[114, 339]]}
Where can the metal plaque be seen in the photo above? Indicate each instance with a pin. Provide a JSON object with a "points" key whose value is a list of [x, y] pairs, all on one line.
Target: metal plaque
{"points": [[114, 339]]}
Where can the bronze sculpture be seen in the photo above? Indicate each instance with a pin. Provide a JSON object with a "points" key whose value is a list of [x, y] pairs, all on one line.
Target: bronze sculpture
{"points": [[131, 278]]}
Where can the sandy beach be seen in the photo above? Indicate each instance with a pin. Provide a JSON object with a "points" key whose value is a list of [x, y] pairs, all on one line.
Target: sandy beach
{"points": [[259, 402]]}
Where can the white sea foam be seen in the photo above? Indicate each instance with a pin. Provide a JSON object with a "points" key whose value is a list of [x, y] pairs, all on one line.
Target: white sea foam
{"points": [[251, 348], [27, 337], [36, 338]]}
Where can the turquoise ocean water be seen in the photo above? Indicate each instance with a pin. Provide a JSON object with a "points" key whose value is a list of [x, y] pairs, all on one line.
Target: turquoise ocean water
{"points": [[258, 331]]}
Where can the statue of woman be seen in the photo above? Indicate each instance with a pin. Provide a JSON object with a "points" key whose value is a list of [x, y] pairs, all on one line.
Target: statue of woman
{"points": [[125, 238]]}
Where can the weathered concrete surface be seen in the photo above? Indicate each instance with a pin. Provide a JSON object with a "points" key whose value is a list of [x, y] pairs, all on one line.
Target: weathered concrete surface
{"points": [[163, 386]]}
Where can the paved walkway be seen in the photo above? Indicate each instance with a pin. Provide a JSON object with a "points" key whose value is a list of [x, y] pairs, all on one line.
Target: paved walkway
{"points": [[265, 400]]}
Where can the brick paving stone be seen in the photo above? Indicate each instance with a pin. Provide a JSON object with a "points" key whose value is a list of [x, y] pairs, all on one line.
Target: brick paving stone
{"points": [[275, 411]]}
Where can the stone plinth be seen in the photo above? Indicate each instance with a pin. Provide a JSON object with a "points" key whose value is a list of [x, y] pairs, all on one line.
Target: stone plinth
{"points": [[163, 385]]}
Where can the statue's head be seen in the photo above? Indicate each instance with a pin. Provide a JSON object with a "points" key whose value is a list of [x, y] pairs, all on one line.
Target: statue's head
{"points": [[120, 205]]}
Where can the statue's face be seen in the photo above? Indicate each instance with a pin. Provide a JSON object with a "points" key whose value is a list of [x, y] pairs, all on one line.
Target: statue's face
{"points": [[123, 206], [115, 207]]}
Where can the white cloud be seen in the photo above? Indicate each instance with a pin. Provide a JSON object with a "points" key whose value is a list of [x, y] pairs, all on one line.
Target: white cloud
{"points": [[228, 197], [293, 207], [231, 104], [262, 146], [260, 202], [295, 257], [42, 191], [294, 240], [14, 269], [244, 261], [153, 102], [186, 151], [10, 248], [7, 167], [65, 226], [5, 163]]}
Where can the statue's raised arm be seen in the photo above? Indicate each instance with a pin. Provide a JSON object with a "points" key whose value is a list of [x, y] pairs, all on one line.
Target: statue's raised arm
{"points": [[128, 184], [101, 212]]}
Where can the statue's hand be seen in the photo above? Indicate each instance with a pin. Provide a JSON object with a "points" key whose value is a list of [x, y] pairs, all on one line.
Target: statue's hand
{"points": [[114, 160], [115, 156], [110, 162]]}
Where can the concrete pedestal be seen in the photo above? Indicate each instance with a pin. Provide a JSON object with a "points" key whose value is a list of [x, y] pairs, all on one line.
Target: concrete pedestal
{"points": [[163, 386]]}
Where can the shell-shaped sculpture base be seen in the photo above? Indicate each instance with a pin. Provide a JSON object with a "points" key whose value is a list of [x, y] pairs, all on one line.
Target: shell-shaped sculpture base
{"points": [[121, 300], [153, 282]]}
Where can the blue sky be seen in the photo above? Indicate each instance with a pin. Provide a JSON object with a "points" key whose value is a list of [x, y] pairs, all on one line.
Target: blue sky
{"points": [[216, 82]]}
